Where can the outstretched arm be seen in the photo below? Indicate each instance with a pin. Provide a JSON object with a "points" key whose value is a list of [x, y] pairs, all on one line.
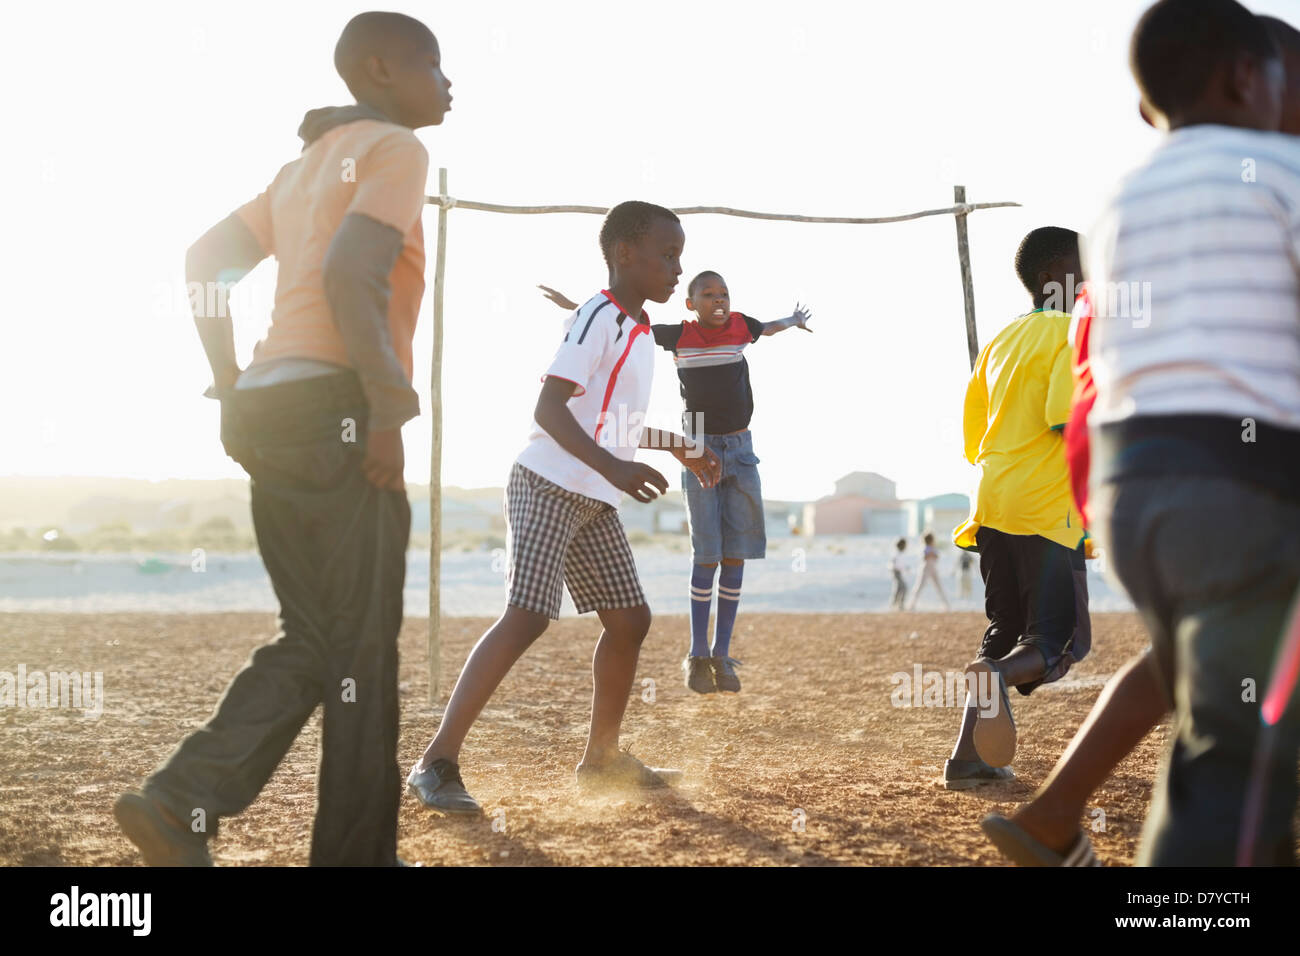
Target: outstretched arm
{"points": [[558, 298], [800, 318]]}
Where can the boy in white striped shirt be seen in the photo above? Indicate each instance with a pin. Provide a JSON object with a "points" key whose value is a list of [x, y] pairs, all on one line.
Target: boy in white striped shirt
{"points": [[1194, 271]]}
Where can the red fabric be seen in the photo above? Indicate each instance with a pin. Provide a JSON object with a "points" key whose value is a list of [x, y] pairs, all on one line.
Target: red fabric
{"points": [[1077, 451], [638, 319], [696, 335], [637, 329]]}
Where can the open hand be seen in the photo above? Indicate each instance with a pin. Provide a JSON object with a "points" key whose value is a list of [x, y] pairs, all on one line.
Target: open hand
{"points": [[706, 467], [801, 316], [638, 480], [558, 298]]}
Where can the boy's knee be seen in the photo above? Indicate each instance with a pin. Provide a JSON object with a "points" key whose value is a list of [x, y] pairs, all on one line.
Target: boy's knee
{"points": [[631, 623], [529, 625], [641, 621]]}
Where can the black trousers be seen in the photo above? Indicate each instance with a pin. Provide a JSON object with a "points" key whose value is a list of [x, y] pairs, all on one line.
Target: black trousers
{"points": [[335, 549], [1035, 592]]}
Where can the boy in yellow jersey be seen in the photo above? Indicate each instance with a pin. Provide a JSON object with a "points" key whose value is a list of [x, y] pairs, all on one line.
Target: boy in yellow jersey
{"points": [[1023, 520]]}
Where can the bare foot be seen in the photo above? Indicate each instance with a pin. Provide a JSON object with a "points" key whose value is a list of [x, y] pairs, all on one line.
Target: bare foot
{"points": [[1054, 830]]}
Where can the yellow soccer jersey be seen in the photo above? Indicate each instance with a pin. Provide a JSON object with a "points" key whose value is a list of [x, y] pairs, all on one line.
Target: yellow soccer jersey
{"points": [[1017, 403]]}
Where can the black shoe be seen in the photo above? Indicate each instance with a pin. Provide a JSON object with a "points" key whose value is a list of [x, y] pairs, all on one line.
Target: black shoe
{"points": [[724, 673], [965, 774], [440, 789], [161, 842], [699, 675]]}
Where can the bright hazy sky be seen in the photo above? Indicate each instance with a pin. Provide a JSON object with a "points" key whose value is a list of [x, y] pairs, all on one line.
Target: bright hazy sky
{"points": [[136, 126]]}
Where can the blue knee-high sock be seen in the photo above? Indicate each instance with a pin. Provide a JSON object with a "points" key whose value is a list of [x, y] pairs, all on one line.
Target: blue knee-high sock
{"points": [[701, 602], [728, 601]]}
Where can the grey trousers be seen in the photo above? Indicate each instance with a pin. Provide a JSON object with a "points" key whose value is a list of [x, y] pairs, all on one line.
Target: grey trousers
{"points": [[1213, 565]]}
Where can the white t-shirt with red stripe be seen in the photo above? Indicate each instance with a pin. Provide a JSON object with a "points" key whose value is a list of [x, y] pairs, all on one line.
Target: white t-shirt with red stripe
{"points": [[610, 357]]}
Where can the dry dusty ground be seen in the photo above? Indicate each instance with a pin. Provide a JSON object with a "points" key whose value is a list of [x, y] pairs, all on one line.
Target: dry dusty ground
{"points": [[814, 731]]}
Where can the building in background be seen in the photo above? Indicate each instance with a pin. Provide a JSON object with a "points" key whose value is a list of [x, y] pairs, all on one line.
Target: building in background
{"points": [[940, 514], [867, 503], [863, 503]]}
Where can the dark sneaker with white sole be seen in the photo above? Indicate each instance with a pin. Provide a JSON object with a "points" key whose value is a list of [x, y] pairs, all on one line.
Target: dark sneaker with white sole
{"points": [[699, 675], [965, 774], [724, 674], [162, 841], [625, 772], [440, 789]]}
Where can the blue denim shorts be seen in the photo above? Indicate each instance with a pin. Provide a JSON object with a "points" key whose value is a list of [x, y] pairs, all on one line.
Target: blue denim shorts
{"points": [[727, 520]]}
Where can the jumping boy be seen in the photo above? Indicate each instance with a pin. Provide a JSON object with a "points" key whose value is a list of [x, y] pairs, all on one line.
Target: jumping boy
{"points": [[1023, 522], [726, 521], [561, 510], [316, 421]]}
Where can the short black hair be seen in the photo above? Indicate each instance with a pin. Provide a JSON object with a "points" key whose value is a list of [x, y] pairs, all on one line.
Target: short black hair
{"points": [[375, 33], [706, 274], [1178, 44], [628, 222], [1040, 249], [1285, 36], [900, 544]]}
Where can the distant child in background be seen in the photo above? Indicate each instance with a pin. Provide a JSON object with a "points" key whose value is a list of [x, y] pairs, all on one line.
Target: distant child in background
{"points": [[929, 572], [964, 564], [726, 521], [899, 597], [1023, 522]]}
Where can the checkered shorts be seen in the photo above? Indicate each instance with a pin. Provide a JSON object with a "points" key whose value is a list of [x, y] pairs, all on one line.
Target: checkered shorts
{"points": [[558, 537]]}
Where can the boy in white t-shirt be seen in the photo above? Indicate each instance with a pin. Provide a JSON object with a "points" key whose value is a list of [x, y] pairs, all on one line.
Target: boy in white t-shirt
{"points": [[561, 509]]}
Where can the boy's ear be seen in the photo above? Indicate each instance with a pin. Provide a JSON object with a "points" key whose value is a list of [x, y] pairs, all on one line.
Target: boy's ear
{"points": [[1240, 79], [690, 304], [1245, 77], [1153, 117], [376, 70]]}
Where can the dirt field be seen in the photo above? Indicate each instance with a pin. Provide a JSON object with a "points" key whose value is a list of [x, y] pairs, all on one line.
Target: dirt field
{"points": [[814, 731]]}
